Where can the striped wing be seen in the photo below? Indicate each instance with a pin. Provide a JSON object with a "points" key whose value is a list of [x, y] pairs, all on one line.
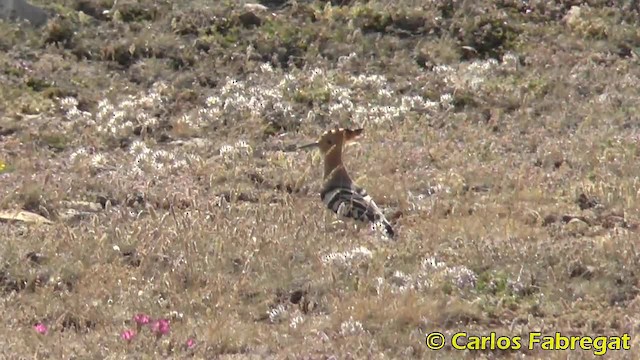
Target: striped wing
{"points": [[354, 203]]}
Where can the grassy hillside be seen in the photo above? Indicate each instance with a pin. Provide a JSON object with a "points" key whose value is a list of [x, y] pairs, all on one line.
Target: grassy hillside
{"points": [[158, 137]]}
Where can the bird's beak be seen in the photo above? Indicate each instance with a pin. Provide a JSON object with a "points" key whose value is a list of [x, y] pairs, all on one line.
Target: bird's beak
{"points": [[312, 145]]}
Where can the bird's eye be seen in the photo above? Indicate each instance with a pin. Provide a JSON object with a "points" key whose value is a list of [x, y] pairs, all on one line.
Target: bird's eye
{"points": [[329, 142]]}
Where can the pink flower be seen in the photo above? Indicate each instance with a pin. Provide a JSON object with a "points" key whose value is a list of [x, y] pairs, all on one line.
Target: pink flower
{"points": [[128, 335], [160, 327], [141, 319], [41, 328], [190, 343]]}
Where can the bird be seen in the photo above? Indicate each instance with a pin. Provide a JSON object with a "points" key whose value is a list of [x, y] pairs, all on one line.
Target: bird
{"points": [[339, 192]]}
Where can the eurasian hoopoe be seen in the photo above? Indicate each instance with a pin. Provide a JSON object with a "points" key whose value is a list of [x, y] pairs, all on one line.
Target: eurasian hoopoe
{"points": [[339, 193]]}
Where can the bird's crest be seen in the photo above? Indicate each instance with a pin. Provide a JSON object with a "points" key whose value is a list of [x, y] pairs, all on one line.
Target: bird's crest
{"points": [[337, 137]]}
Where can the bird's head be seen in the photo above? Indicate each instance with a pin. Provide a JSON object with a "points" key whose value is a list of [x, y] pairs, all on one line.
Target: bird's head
{"points": [[334, 139]]}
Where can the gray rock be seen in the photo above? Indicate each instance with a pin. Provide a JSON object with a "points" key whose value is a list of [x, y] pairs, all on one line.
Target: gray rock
{"points": [[20, 9]]}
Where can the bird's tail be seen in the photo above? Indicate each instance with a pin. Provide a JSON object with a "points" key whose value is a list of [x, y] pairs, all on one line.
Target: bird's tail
{"points": [[388, 229]]}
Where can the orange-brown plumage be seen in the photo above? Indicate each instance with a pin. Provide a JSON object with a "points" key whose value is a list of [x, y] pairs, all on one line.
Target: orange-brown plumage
{"points": [[339, 193]]}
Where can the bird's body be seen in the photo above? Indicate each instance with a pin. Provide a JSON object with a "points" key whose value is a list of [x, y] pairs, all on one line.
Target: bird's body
{"points": [[339, 193], [355, 204]]}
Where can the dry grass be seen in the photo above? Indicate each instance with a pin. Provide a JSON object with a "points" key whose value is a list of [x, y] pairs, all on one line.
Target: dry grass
{"points": [[510, 171]]}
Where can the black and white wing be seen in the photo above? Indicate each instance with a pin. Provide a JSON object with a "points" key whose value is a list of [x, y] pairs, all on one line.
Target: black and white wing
{"points": [[354, 203]]}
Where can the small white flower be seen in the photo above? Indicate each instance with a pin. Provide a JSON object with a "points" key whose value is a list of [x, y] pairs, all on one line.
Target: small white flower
{"points": [[118, 114], [510, 61], [142, 116], [315, 73], [400, 279], [442, 69], [141, 159], [243, 146], [186, 119], [127, 125], [603, 98], [192, 158], [226, 150], [74, 112], [266, 67], [162, 155], [104, 103], [432, 263], [277, 313], [361, 252], [138, 147], [296, 321], [384, 93], [69, 103], [446, 100], [80, 152], [345, 258], [127, 104], [475, 82], [232, 86], [158, 166], [180, 164], [462, 276], [213, 101], [98, 160], [351, 327], [343, 60]]}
